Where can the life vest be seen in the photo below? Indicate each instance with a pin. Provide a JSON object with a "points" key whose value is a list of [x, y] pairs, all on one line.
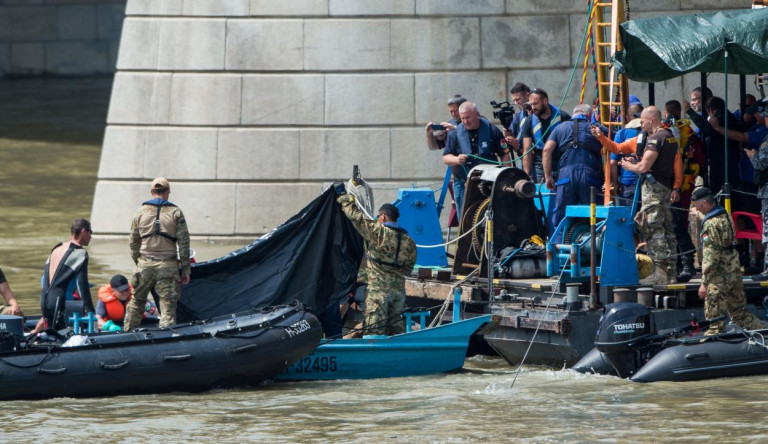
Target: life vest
{"points": [[691, 168], [115, 308]]}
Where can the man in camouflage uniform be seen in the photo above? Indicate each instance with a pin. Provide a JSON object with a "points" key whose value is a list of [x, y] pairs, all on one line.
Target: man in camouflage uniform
{"points": [[657, 168], [157, 230], [390, 254], [759, 159], [721, 280]]}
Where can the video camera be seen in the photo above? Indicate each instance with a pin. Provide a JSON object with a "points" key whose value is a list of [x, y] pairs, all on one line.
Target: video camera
{"points": [[505, 113]]}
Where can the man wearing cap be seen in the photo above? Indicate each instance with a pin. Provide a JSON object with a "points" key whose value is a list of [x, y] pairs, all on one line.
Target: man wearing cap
{"points": [[572, 163], [623, 181], [721, 279], [113, 299], [160, 250], [390, 254]]}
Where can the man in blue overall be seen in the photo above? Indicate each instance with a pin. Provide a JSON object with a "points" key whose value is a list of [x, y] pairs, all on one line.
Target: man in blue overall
{"points": [[572, 163], [475, 141], [536, 129]]}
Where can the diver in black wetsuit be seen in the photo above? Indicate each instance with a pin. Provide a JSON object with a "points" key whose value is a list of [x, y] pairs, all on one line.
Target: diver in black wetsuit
{"points": [[66, 270]]}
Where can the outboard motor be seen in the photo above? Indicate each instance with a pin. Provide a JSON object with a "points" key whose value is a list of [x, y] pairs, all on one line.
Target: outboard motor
{"points": [[626, 337], [11, 332]]}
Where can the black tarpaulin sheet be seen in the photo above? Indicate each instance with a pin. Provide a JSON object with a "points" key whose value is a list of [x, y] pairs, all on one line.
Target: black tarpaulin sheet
{"points": [[662, 48], [312, 258]]}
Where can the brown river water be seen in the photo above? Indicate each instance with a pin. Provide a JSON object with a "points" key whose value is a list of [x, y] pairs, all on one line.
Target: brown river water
{"points": [[50, 137]]}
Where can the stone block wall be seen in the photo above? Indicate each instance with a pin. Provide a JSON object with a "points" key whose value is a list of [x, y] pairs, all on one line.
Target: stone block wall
{"points": [[252, 107], [59, 37]]}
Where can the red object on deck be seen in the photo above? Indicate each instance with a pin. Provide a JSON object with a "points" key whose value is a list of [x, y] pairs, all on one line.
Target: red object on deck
{"points": [[748, 233]]}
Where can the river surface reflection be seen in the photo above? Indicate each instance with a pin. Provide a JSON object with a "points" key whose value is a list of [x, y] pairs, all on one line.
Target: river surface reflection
{"points": [[50, 137]]}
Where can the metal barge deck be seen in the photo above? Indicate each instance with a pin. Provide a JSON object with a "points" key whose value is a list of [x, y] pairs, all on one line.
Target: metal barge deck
{"points": [[563, 335]]}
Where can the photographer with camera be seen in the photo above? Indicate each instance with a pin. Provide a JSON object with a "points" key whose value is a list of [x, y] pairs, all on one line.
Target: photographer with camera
{"points": [[437, 132], [519, 94], [475, 141]]}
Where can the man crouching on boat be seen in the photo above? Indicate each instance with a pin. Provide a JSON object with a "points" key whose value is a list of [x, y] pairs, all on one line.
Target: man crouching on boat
{"points": [[389, 255]]}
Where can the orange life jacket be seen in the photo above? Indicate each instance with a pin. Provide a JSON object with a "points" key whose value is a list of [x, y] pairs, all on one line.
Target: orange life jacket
{"points": [[115, 308]]}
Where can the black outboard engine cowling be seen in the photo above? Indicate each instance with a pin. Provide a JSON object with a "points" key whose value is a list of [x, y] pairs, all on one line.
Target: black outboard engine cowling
{"points": [[625, 336], [11, 332]]}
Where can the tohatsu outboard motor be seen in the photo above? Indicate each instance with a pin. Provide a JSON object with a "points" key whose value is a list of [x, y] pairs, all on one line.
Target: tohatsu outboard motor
{"points": [[11, 332], [627, 337]]}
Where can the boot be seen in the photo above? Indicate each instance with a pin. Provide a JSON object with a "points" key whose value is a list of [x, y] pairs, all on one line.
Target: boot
{"points": [[657, 277], [687, 271], [743, 256], [764, 275]]}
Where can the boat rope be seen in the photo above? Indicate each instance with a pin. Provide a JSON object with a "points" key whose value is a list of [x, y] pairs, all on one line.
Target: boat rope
{"points": [[438, 319], [591, 8], [45, 358], [363, 195], [757, 338], [480, 222], [538, 326]]}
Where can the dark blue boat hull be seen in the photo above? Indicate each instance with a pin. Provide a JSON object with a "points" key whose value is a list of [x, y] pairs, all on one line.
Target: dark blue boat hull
{"points": [[240, 349], [720, 356]]}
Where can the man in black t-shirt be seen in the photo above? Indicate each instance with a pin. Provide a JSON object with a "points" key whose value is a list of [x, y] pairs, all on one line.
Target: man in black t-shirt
{"points": [[536, 130]]}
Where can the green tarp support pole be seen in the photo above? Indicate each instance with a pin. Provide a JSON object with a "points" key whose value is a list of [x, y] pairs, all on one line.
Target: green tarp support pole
{"points": [[704, 99], [651, 94], [742, 94], [726, 185]]}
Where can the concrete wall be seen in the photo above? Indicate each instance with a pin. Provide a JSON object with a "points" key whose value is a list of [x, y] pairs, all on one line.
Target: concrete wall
{"points": [[252, 107], [59, 37]]}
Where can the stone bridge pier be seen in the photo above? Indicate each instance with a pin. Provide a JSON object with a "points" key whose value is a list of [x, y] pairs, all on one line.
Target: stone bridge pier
{"points": [[251, 108]]}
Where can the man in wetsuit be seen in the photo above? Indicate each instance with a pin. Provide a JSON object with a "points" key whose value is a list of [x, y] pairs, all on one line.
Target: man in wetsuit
{"points": [[65, 271], [157, 229]]}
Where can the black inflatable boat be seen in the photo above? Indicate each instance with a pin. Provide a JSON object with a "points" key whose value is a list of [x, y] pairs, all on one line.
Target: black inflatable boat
{"points": [[239, 349], [629, 346]]}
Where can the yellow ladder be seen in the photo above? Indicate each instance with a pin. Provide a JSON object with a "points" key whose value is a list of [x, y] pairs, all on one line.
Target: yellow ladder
{"points": [[612, 86]]}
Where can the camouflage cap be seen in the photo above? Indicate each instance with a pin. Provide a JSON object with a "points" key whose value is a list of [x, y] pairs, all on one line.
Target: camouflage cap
{"points": [[701, 193], [160, 183]]}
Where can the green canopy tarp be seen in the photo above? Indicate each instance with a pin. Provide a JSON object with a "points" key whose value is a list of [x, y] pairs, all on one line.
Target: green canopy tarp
{"points": [[662, 48]]}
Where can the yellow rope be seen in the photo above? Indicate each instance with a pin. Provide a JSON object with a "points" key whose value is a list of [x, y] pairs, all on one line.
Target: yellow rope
{"points": [[593, 8]]}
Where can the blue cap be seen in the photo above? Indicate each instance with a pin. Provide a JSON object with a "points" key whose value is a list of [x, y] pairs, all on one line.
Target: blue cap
{"points": [[634, 100]]}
